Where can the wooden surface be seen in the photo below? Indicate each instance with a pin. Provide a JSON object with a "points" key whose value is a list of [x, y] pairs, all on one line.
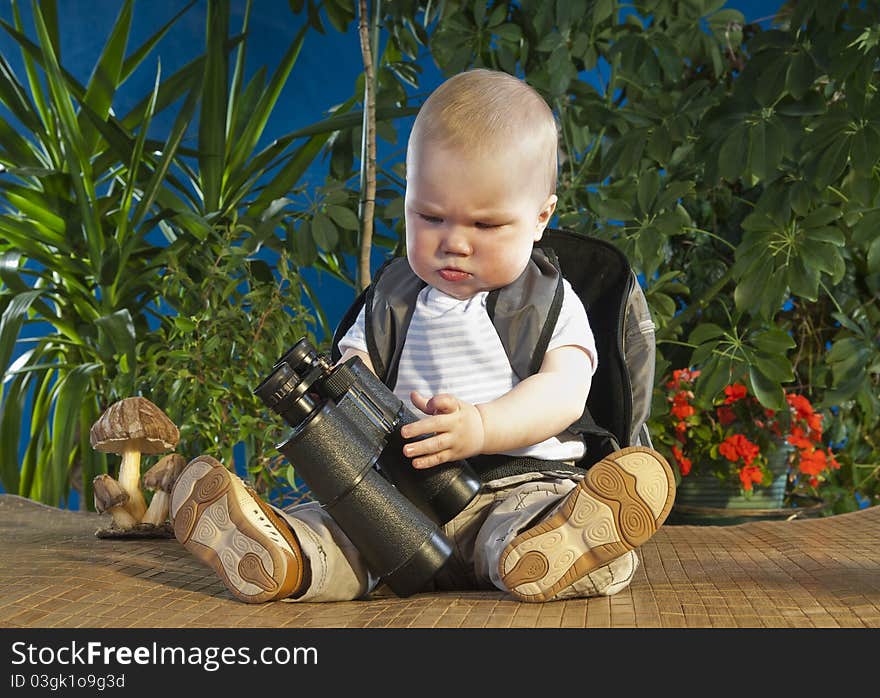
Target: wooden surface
{"points": [[55, 573]]}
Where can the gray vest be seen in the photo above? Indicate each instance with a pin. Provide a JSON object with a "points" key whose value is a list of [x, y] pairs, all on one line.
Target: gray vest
{"points": [[524, 313]]}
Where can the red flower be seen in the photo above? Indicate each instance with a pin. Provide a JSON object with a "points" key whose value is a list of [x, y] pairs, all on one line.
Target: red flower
{"points": [[684, 464], [749, 474], [682, 411], [733, 442], [812, 462], [799, 440], [736, 446], [734, 393], [725, 415], [681, 406], [682, 375], [801, 405]]}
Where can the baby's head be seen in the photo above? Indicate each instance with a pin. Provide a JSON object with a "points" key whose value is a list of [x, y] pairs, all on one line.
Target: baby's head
{"points": [[481, 177]]}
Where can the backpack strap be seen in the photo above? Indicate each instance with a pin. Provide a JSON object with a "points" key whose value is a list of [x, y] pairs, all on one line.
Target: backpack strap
{"points": [[525, 312], [388, 302]]}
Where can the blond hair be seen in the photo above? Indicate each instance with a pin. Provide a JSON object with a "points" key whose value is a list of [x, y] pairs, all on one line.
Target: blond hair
{"points": [[485, 110]]}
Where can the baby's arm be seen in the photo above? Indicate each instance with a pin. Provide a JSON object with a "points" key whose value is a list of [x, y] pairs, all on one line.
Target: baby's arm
{"points": [[541, 406], [365, 357]]}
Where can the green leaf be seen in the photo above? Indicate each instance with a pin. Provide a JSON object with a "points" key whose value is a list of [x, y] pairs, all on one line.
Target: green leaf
{"points": [[734, 152], [865, 149], [776, 368], [649, 185], [705, 332], [873, 256], [715, 374], [752, 286], [821, 217], [769, 392], [848, 358], [612, 209], [251, 135], [75, 156], [107, 75], [770, 85], [119, 328], [11, 322], [343, 217], [324, 232], [290, 174], [800, 74], [832, 162], [71, 394], [803, 280], [92, 462], [12, 414], [290, 476], [773, 341], [169, 151], [137, 57], [213, 108], [819, 255], [13, 96]]}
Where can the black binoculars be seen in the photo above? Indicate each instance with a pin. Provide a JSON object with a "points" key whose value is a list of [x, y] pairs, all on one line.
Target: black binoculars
{"points": [[346, 446]]}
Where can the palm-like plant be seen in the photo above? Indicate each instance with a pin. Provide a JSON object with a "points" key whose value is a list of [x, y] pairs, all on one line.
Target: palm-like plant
{"points": [[81, 190], [74, 252]]}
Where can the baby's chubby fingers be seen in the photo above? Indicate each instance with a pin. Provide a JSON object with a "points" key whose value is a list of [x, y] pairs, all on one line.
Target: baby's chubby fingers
{"points": [[438, 404], [426, 446], [438, 407]]}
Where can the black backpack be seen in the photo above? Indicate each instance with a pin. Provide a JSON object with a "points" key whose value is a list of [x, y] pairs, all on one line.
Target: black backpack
{"points": [[619, 402]]}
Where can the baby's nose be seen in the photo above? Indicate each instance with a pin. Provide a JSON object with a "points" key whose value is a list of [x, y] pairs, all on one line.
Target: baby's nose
{"points": [[456, 242]]}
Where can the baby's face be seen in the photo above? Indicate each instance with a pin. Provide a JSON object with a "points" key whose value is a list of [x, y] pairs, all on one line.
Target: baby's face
{"points": [[471, 221]]}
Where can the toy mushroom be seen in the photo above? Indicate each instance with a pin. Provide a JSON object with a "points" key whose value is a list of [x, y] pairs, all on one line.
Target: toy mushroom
{"points": [[130, 427], [110, 497], [160, 479]]}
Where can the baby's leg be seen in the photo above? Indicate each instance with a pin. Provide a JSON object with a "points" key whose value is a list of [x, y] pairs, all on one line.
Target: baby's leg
{"points": [[338, 571], [580, 541], [252, 546]]}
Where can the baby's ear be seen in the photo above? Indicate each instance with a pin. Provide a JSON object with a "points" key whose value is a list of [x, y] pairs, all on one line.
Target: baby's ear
{"points": [[545, 214]]}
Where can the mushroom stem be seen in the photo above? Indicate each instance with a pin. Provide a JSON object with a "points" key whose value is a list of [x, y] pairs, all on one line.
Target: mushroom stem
{"points": [[110, 497], [129, 480], [122, 518], [157, 512]]}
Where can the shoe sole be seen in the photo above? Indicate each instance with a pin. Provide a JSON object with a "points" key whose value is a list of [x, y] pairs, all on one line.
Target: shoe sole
{"points": [[619, 505], [227, 526]]}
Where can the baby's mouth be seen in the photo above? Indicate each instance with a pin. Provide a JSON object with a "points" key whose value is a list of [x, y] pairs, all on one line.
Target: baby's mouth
{"points": [[449, 274]]}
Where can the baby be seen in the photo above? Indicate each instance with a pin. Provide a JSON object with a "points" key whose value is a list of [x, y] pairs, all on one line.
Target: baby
{"points": [[480, 191]]}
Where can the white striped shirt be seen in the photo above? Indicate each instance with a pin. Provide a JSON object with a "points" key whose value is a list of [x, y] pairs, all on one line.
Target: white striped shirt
{"points": [[452, 347]]}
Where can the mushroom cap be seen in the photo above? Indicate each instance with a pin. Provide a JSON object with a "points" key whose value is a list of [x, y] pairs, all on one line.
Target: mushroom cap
{"points": [[163, 474], [108, 493], [133, 424]]}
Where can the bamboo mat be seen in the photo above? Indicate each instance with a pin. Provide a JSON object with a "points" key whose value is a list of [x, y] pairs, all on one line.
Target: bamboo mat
{"points": [[54, 573]]}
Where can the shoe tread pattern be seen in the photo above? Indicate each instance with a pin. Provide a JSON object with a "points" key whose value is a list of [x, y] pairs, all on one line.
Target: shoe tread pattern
{"points": [[258, 562], [616, 508]]}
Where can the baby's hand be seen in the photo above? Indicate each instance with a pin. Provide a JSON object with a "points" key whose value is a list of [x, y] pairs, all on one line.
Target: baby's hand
{"points": [[457, 429]]}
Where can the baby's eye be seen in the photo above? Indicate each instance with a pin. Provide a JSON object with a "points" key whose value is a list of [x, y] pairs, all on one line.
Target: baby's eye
{"points": [[430, 219], [486, 226]]}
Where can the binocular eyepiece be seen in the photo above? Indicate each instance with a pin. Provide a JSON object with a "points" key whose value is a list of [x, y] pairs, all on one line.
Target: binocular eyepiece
{"points": [[346, 446]]}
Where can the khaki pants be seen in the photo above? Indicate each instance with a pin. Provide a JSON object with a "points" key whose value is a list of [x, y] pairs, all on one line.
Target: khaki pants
{"points": [[479, 534]]}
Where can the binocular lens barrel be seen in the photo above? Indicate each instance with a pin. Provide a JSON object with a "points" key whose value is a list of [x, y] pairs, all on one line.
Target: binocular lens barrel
{"points": [[284, 392], [442, 491], [335, 459], [339, 435]]}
